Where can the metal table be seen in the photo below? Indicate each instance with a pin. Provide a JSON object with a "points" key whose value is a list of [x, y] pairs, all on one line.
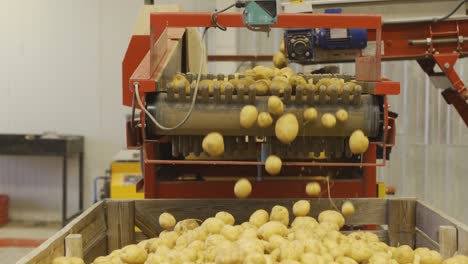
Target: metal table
{"points": [[59, 146]]}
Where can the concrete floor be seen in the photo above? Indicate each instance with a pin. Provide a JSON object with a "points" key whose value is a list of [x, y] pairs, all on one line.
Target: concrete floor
{"points": [[22, 232]]}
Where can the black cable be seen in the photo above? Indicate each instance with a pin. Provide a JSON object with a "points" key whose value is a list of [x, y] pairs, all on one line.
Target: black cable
{"points": [[214, 17], [451, 12]]}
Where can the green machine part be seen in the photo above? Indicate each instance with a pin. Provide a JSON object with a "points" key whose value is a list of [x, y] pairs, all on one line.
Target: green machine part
{"points": [[261, 13]]}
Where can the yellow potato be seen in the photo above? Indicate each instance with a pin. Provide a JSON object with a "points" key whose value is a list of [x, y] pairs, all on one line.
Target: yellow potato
{"points": [[341, 115], [248, 116], [283, 47], [179, 80], [328, 120], [310, 114], [297, 80], [207, 83], [347, 208], [213, 225], [330, 216], [273, 165], [403, 254], [133, 254], [259, 218], [313, 189], [280, 213], [272, 228], [275, 105], [286, 71], [213, 144], [226, 217], [263, 72], [70, 260], [287, 128], [242, 188], [264, 120], [167, 221], [279, 60], [301, 208], [262, 87], [358, 142]]}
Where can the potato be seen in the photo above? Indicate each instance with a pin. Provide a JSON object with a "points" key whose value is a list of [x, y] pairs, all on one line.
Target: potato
{"points": [[328, 120], [248, 116], [179, 80], [226, 217], [262, 87], [341, 115], [214, 240], [291, 250], [310, 257], [427, 256], [459, 259], [301, 208], [207, 83], [273, 165], [69, 260], [242, 188], [213, 144], [167, 221], [346, 260], [283, 47], [251, 245], [275, 242], [286, 71], [249, 225], [230, 232], [280, 213], [359, 251], [279, 60], [296, 80], [313, 189], [347, 208], [272, 228], [287, 128], [331, 216], [132, 254], [259, 218], [281, 79], [310, 114], [255, 258], [230, 254], [275, 105], [403, 254], [358, 142], [264, 120], [263, 72], [249, 233], [304, 222], [168, 238], [379, 258], [213, 225], [186, 225]]}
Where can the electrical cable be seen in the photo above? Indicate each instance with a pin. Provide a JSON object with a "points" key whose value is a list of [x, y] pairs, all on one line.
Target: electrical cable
{"points": [[189, 113], [435, 19], [214, 17]]}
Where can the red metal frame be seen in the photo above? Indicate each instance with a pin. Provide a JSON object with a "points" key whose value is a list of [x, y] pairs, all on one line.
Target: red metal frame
{"points": [[165, 31]]}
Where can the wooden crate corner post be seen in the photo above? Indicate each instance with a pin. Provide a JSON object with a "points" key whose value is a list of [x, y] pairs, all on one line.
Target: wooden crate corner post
{"points": [[447, 241], [120, 223], [401, 222]]}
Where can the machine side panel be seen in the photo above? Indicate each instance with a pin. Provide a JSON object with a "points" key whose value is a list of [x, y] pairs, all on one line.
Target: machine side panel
{"points": [[137, 49]]}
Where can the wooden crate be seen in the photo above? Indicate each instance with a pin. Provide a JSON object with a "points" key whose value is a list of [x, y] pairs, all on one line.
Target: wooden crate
{"points": [[109, 225]]}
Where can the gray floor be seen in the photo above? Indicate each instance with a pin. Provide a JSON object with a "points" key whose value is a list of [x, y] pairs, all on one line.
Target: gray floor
{"points": [[9, 255]]}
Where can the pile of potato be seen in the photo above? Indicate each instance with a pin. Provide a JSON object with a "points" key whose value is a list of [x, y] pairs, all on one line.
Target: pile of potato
{"points": [[268, 237]]}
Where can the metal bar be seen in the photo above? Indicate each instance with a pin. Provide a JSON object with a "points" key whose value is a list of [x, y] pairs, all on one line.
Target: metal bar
{"points": [[436, 41], [81, 179], [64, 188], [240, 57], [255, 163]]}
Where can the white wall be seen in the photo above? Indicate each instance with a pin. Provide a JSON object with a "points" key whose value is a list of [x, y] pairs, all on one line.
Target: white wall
{"points": [[60, 64]]}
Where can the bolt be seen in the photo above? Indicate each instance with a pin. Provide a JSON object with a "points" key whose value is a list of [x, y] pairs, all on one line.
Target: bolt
{"points": [[447, 65], [307, 54], [293, 54]]}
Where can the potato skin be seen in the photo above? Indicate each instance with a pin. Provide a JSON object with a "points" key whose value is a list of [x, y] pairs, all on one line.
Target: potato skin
{"points": [[213, 144], [242, 188], [273, 165], [259, 217], [301, 208], [280, 213], [313, 189], [287, 128], [167, 221], [275, 105], [248, 116]]}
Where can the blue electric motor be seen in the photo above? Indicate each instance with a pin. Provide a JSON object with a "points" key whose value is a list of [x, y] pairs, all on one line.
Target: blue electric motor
{"points": [[354, 38]]}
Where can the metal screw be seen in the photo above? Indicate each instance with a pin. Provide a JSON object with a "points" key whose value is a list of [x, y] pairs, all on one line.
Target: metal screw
{"points": [[447, 65], [307, 54], [293, 54]]}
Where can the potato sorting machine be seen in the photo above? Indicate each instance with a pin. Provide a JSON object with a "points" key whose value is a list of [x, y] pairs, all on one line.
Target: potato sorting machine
{"points": [[173, 161]]}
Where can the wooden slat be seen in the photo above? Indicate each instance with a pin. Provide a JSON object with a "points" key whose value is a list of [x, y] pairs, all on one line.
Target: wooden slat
{"points": [[121, 223], [423, 240], [55, 245], [401, 221], [96, 248], [146, 223], [140, 236], [368, 211], [447, 241], [428, 220], [74, 245]]}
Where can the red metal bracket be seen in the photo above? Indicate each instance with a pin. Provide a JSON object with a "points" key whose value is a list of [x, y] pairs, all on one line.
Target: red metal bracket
{"points": [[446, 63]]}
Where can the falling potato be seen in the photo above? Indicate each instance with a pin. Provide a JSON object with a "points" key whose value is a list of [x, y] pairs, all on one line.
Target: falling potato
{"points": [[358, 142], [286, 128], [310, 114], [248, 116], [213, 144], [264, 120], [273, 165], [279, 60], [242, 188], [341, 115], [275, 105]]}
